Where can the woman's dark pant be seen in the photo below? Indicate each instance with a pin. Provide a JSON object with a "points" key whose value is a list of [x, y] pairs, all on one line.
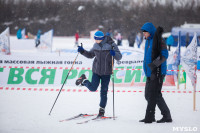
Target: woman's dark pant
{"points": [[93, 85]]}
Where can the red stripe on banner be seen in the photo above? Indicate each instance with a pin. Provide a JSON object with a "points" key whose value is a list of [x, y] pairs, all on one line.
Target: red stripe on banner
{"points": [[81, 90], [79, 68]]}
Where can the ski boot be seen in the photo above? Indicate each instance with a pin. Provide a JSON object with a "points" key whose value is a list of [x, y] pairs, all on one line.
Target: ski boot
{"points": [[101, 112], [80, 80]]}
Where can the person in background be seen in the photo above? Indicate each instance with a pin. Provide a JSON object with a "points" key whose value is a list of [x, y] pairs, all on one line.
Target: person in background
{"points": [[102, 51], [155, 68], [118, 37], [37, 41], [109, 33], [76, 38], [170, 41], [131, 39], [19, 34]]}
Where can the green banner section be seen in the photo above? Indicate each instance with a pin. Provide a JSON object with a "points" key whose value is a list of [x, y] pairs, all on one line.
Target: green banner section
{"points": [[57, 76], [1, 69]]}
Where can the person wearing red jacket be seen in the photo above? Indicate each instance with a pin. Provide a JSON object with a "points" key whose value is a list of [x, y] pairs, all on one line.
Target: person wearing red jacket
{"points": [[76, 38]]}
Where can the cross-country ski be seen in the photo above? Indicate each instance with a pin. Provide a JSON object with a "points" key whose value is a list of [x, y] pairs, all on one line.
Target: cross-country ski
{"points": [[78, 116], [100, 118]]}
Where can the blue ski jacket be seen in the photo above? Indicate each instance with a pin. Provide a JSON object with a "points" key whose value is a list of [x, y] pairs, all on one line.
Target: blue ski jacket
{"points": [[149, 27]]}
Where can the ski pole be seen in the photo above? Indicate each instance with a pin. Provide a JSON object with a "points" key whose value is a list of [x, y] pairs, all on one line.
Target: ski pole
{"points": [[64, 82], [113, 86]]}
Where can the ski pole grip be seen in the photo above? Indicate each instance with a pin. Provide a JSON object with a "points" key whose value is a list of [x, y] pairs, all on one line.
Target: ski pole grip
{"points": [[81, 45]]}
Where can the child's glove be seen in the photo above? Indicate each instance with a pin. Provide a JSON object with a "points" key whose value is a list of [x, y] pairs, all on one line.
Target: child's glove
{"points": [[112, 52], [80, 49]]}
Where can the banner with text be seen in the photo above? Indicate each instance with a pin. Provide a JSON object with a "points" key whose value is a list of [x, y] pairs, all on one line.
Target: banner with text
{"points": [[38, 71]]}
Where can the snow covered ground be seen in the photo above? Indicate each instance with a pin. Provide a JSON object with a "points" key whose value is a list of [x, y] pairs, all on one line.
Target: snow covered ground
{"points": [[26, 111]]}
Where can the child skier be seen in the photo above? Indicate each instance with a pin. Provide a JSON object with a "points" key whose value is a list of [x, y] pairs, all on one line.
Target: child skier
{"points": [[102, 50]]}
